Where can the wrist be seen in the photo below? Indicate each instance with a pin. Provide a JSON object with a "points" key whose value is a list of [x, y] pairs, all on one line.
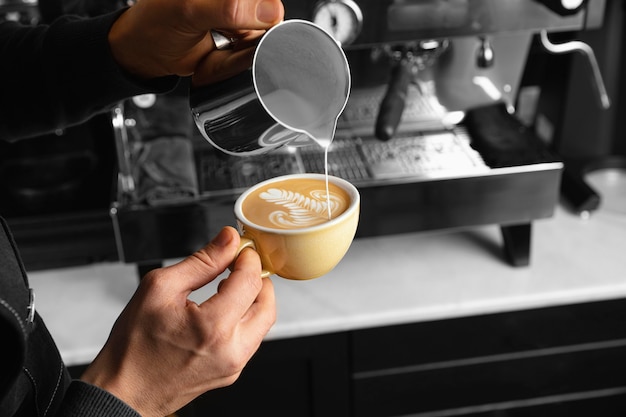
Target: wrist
{"points": [[115, 381]]}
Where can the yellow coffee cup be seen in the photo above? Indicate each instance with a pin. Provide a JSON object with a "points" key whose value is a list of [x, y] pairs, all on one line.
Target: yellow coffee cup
{"points": [[299, 231]]}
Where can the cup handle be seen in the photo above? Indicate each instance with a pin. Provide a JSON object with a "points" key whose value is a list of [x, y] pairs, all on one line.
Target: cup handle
{"points": [[249, 243]]}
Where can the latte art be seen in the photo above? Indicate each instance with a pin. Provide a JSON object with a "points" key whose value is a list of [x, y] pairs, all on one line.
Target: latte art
{"points": [[297, 210], [295, 204]]}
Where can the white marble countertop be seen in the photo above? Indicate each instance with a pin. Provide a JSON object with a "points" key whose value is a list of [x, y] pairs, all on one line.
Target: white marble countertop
{"points": [[381, 281]]}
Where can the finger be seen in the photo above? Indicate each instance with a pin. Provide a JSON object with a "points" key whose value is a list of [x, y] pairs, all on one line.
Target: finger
{"points": [[241, 39], [221, 65], [246, 37], [242, 14], [258, 320], [206, 264], [239, 291], [262, 313]]}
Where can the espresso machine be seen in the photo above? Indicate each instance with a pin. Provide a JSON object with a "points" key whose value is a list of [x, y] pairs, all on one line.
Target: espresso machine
{"points": [[435, 134]]}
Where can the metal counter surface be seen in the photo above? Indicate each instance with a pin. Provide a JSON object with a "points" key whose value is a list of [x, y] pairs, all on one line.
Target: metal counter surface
{"points": [[381, 281]]}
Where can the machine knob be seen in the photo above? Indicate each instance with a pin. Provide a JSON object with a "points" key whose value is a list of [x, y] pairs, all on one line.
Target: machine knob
{"points": [[564, 7]]}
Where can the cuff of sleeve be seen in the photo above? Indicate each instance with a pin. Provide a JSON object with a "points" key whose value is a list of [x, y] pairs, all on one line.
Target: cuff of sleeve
{"points": [[86, 400]]}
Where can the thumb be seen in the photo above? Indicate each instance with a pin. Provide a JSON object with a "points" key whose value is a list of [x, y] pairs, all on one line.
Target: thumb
{"points": [[207, 263]]}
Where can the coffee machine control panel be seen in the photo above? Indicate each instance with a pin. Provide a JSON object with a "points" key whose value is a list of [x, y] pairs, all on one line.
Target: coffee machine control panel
{"points": [[363, 23]]}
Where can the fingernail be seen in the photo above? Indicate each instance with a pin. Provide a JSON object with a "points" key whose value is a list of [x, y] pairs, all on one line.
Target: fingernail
{"points": [[223, 238], [267, 12]]}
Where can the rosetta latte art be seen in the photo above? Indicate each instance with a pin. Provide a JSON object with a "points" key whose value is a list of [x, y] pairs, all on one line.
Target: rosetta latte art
{"points": [[298, 210]]}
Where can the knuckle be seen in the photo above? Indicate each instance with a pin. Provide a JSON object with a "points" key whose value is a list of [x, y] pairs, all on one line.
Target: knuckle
{"points": [[155, 279], [231, 13], [230, 379], [255, 281], [223, 346], [205, 258], [232, 365], [271, 318]]}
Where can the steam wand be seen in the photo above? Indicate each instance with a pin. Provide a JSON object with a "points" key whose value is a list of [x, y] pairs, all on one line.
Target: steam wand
{"points": [[574, 188], [578, 46]]}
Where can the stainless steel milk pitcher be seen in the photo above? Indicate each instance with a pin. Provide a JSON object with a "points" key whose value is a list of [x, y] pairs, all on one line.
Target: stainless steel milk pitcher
{"points": [[293, 94]]}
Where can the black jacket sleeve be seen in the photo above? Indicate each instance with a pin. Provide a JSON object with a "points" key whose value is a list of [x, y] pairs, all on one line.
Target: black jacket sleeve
{"points": [[61, 74], [84, 400]]}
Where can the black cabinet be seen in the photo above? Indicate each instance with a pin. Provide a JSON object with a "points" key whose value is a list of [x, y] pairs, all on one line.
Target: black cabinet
{"points": [[551, 361], [299, 377], [558, 361]]}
